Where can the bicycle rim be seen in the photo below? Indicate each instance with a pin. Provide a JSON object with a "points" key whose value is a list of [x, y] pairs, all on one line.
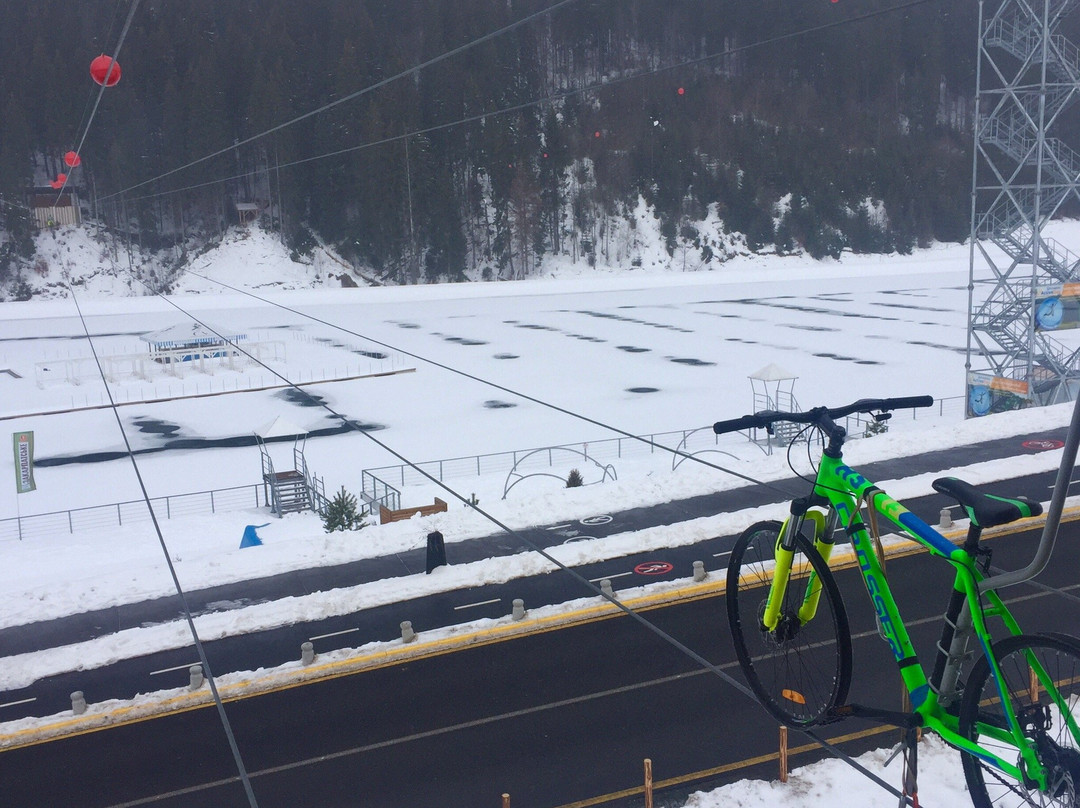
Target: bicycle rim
{"points": [[798, 671], [1041, 712]]}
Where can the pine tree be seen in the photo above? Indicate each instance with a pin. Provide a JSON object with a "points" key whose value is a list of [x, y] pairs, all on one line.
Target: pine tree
{"points": [[573, 480], [341, 513]]}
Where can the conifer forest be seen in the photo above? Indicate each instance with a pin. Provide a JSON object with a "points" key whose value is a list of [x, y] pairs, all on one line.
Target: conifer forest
{"points": [[800, 125]]}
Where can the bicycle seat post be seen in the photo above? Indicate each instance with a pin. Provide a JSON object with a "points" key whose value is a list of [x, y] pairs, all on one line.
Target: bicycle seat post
{"points": [[971, 543]]}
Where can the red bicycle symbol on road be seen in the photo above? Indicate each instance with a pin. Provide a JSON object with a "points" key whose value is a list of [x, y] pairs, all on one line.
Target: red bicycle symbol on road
{"points": [[653, 568], [1042, 445]]}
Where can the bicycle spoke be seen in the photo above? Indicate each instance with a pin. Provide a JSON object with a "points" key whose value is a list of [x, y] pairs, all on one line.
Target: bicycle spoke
{"points": [[1039, 675], [799, 671]]}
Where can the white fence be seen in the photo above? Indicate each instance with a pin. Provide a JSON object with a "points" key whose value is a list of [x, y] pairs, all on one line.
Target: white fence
{"points": [[376, 481]]}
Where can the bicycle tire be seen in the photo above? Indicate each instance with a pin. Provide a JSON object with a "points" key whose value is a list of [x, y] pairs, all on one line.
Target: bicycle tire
{"points": [[1059, 748], [798, 678]]}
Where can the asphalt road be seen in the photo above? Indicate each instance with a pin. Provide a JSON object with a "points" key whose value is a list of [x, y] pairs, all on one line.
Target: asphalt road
{"points": [[78, 628], [553, 719], [266, 649]]}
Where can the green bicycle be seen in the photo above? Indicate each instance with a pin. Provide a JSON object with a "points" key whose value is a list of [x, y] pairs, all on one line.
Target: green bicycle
{"points": [[1011, 713]]}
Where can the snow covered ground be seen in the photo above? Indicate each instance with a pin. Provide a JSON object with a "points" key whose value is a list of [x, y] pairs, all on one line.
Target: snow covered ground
{"points": [[838, 785], [469, 370]]}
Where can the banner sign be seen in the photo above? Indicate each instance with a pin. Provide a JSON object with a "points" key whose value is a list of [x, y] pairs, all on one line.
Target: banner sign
{"points": [[1057, 308], [23, 443], [988, 393]]}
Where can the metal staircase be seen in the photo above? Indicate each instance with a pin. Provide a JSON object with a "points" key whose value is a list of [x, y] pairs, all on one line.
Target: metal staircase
{"points": [[296, 489], [1033, 75]]}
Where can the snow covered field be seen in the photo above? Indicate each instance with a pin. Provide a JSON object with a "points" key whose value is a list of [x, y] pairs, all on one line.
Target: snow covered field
{"points": [[646, 352], [643, 351], [589, 345]]}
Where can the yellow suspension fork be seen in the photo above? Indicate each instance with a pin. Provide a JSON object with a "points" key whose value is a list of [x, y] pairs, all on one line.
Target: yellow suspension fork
{"points": [[784, 554], [823, 534]]}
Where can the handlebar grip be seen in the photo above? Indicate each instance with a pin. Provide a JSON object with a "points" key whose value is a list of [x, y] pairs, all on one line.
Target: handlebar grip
{"points": [[738, 424], [909, 402]]}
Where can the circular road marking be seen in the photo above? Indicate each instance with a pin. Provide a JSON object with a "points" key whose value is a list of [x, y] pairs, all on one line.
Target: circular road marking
{"points": [[596, 520], [573, 539], [1043, 445], [654, 568]]}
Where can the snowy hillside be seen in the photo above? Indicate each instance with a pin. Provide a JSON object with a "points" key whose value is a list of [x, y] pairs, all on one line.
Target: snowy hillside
{"points": [[97, 265], [100, 263]]}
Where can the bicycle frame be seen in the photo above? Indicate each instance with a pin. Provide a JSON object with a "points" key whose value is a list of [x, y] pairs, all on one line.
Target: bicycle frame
{"points": [[841, 490]]}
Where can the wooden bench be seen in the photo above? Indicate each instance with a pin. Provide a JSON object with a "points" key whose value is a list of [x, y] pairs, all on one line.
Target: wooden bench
{"points": [[387, 515]]}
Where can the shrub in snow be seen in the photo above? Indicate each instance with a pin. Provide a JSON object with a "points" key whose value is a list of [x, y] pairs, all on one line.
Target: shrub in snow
{"points": [[875, 428], [573, 479], [342, 514]]}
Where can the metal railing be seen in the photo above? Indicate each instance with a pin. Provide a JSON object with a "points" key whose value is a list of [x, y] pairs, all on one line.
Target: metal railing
{"points": [[133, 511], [374, 492], [386, 481], [376, 488]]}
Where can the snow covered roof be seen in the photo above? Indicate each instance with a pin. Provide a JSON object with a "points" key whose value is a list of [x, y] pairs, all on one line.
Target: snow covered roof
{"points": [[186, 334], [772, 373]]}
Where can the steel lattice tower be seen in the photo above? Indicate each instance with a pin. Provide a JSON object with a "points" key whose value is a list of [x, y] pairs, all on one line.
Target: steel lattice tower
{"points": [[1024, 171]]}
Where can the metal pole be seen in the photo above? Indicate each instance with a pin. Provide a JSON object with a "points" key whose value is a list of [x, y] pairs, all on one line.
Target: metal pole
{"points": [[974, 195], [1053, 515]]}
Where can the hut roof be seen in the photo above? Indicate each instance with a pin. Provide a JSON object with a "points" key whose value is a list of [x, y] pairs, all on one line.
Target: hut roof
{"points": [[772, 373], [185, 335], [279, 428]]}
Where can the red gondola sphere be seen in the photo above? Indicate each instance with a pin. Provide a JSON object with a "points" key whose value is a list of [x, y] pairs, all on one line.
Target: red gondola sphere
{"points": [[56, 184], [99, 69], [71, 159]]}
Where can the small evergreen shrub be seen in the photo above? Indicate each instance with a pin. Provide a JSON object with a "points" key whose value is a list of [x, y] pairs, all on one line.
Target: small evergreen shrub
{"points": [[342, 513], [875, 428], [573, 479]]}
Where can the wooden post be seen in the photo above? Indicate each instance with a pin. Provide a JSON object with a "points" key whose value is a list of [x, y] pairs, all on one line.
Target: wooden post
{"points": [[506, 801], [1034, 687], [783, 754], [648, 783]]}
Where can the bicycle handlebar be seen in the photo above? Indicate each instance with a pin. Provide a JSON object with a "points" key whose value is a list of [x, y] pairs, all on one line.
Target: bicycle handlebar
{"points": [[767, 418]]}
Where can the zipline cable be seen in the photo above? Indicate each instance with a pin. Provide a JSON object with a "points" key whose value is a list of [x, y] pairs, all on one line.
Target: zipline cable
{"points": [[528, 543], [90, 95], [501, 111], [371, 88], [510, 391], [241, 769], [101, 90], [686, 650]]}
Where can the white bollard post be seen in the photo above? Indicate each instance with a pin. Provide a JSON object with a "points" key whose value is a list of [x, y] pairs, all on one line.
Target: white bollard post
{"points": [[307, 653], [606, 590], [945, 518], [78, 703], [519, 609], [699, 571], [195, 672], [407, 633]]}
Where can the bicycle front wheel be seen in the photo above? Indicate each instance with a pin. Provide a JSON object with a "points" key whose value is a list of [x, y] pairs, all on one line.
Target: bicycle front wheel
{"points": [[799, 670], [1040, 677]]}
